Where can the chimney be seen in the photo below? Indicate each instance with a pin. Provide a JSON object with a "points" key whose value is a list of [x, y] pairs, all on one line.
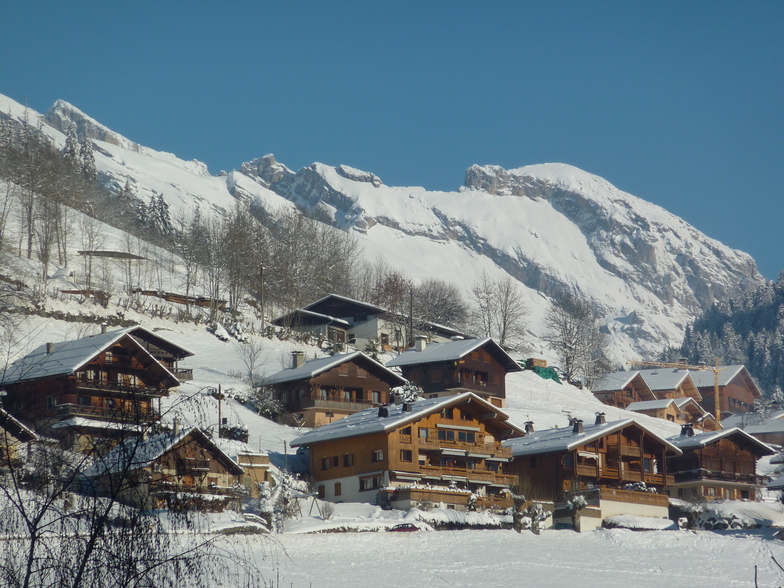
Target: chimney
{"points": [[577, 428], [420, 343], [687, 430], [600, 419], [398, 399], [383, 412], [529, 427], [176, 427], [456, 338], [298, 358], [407, 407], [49, 348], [103, 327]]}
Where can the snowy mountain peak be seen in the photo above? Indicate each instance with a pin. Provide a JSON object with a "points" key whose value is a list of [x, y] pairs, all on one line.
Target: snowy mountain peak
{"points": [[62, 114]]}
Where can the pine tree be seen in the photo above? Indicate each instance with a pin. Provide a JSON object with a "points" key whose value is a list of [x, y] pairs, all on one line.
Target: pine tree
{"points": [[88, 160], [71, 151]]}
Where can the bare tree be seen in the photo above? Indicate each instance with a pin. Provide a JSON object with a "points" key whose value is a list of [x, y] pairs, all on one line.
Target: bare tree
{"points": [[500, 311], [92, 239], [575, 336], [439, 302]]}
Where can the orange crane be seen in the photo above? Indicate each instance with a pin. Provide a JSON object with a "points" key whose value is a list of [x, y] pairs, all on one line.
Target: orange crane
{"points": [[701, 367]]}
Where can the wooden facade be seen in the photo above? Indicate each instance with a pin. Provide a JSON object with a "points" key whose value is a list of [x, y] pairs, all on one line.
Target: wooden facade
{"points": [[334, 387], [475, 365], [718, 465], [104, 396], [737, 390], [622, 389], [181, 470], [437, 450], [619, 468]]}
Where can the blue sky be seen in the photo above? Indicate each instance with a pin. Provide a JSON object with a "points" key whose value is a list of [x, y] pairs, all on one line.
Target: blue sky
{"points": [[679, 103]]}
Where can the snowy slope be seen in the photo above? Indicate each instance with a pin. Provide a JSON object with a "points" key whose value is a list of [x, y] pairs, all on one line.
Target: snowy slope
{"points": [[553, 227]]}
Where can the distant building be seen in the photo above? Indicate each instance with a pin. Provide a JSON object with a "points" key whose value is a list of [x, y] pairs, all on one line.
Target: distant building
{"points": [[344, 320], [324, 390], [680, 411], [440, 450], [620, 389], [463, 365], [737, 389]]}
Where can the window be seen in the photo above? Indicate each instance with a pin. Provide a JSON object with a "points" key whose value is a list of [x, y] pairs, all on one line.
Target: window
{"points": [[465, 416], [322, 393], [466, 437], [423, 433], [435, 375], [111, 403], [343, 370], [348, 460], [444, 435], [493, 466], [362, 372], [378, 455], [406, 455], [370, 483], [448, 413], [325, 463], [376, 396], [534, 461], [335, 461], [50, 404], [347, 395], [85, 401], [647, 465], [405, 431], [337, 489], [321, 492]]}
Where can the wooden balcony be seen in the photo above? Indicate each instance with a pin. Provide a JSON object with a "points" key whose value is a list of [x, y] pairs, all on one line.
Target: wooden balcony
{"points": [[187, 466], [625, 474], [165, 487], [344, 405], [125, 389], [593, 496], [105, 412], [481, 475], [493, 449], [182, 374]]}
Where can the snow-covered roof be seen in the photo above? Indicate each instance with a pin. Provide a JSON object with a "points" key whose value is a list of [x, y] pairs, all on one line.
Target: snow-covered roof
{"points": [[137, 453], [664, 403], [368, 421], [144, 334], [554, 440], [16, 428], [314, 367], [310, 314], [664, 378], [702, 439], [344, 300], [452, 351], [67, 357], [704, 378], [614, 381]]}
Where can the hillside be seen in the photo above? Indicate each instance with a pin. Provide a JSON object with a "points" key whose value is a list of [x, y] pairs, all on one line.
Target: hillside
{"points": [[552, 227]]}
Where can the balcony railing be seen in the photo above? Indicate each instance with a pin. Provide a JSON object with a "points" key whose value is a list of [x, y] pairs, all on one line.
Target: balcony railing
{"points": [[494, 449], [163, 486], [327, 404], [703, 474], [182, 374], [476, 474], [189, 466], [481, 387], [116, 413], [624, 475], [85, 384]]}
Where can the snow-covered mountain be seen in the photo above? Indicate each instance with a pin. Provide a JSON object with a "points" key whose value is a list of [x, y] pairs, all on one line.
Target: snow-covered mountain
{"points": [[553, 227]]}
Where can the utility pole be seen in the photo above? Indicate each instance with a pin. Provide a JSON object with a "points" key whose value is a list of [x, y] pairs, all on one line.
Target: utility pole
{"points": [[699, 367]]}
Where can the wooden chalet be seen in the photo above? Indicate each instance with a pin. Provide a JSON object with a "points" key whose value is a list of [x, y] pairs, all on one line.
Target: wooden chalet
{"points": [[680, 411], [671, 383], [344, 320], [439, 450], [716, 465], [88, 392], [168, 353], [620, 389], [768, 427], [613, 466], [737, 389], [461, 365], [329, 388], [175, 469]]}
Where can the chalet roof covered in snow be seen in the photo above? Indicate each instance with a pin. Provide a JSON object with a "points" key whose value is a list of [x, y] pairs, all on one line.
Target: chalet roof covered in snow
{"points": [[309, 317], [52, 360], [369, 421], [137, 453], [342, 306], [614, 381], [696, 441], [145, 335], [453, 351], [314, 367], [727, 374], [557, 440], [663, 403], [664, 378]]}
